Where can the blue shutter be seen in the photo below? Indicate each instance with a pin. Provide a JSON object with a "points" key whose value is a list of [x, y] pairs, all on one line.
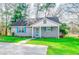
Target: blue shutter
{"points": [[17, 29], [24, 29]]}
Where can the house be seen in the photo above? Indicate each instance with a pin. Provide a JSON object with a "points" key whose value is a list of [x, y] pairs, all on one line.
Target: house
{"points": [[43, 27]]}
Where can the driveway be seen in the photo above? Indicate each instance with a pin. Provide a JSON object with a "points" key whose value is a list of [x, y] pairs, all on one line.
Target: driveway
{"points": [[22, 49]]}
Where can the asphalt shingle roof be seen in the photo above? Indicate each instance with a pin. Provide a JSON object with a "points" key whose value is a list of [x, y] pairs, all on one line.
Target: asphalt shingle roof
{"points": [[54, 19], [19, 23]]}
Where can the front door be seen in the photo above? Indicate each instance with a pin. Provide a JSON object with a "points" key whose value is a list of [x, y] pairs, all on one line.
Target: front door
{"points": [[37, 32]]}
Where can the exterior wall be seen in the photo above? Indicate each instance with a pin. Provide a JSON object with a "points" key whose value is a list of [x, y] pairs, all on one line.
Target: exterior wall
{"points": [[27, 33], [53, 33]]}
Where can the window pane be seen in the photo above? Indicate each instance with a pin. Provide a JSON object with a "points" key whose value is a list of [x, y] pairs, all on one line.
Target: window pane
{"points": [[17, 29], [24, 29], [49, 29]]}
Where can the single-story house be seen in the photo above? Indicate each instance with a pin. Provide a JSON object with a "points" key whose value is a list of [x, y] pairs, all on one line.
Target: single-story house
{"points": [[43, 27]]}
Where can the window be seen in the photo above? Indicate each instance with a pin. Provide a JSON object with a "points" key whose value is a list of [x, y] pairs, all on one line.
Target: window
{"points": [[48, 29], [44, 28], [21, 29]]}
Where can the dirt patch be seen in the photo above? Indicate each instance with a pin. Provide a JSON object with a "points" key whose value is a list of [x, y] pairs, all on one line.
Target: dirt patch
{"points": [[73, 35]]}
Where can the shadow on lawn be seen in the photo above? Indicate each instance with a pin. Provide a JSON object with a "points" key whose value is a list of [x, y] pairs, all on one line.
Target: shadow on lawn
{"points": [[66, 39], [12, 39]]}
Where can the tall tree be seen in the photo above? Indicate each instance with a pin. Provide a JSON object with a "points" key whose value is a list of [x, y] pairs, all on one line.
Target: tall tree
{"points": [[6, 13], [37, 5], [20, 11], [46, 6]]}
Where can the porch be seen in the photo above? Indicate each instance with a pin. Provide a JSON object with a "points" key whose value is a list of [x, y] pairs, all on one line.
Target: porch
{"points": [[45, 28], [45, 32]]}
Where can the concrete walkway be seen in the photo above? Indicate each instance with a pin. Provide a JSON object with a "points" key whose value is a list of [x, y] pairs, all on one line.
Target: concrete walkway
{"points": [[22, 49], [25, 41]]}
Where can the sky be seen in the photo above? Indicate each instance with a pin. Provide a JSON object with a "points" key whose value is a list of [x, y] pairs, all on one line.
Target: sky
{"points": [[57, 5]]}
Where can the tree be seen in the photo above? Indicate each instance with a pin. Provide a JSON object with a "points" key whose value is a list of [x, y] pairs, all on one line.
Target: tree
{"points": [[64, 29], [20, 11], [46, 6], [6, 13], [69, 14], [37, 5]]}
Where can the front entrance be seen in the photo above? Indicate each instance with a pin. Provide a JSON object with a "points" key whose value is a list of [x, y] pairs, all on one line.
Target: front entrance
{"points": [[37, 32]]}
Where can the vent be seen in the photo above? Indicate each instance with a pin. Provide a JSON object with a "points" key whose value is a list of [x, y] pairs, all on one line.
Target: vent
{"points": [[44, 21]]}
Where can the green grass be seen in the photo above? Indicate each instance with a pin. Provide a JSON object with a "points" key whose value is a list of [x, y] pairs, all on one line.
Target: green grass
{"points": [[12, 39], [61, 46]]}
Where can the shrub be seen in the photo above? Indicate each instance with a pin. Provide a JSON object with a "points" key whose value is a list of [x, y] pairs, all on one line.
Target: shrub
{"points": [[64, 29]]}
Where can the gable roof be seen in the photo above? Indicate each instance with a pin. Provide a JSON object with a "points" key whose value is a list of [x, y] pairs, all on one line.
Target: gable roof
{"points": [[54, 19], [45, 22], [32, 21], [19, 23]]}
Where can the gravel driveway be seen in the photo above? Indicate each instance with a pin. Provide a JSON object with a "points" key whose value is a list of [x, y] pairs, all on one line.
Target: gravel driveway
{"points": [[22, 49]]}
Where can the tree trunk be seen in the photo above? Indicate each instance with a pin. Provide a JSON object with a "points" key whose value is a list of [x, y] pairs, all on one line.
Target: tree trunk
{"points": [[45, 14], [37, 6], [6, 20], [6, 26]]}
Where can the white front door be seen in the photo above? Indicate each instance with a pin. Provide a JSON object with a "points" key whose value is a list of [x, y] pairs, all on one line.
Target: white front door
{"points": [[37, 34]]}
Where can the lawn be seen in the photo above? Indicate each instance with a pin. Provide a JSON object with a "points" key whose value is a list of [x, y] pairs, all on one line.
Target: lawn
{"points": [[12, 39], [61, 46]]}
